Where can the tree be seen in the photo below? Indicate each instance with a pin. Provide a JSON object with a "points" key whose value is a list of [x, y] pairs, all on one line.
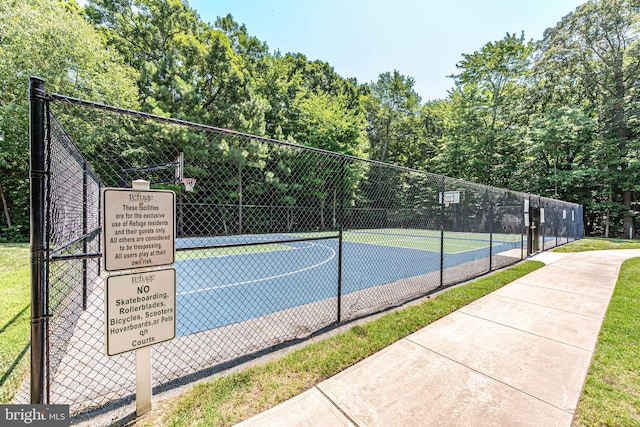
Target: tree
{"points": [[54, 41], [392, 98], [324, 121], [487, 124], [593, 54], [190, 69], [558, 153], [159, 38]]}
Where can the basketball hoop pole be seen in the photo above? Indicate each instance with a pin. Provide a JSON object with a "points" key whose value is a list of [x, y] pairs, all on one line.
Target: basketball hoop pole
{"points": [[180, 169]]}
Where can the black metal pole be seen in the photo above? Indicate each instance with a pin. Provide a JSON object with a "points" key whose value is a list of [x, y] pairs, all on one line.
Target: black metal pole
{"points": [[542, 226], [522, 231], [528, 212], [490, 235], [341, 228], [84, 233], [442, 231], [37, 176]]}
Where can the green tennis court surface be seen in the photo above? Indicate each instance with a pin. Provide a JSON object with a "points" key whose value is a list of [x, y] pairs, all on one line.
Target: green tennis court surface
{"points": [[497, 237], [237, 250], [427, 240]]}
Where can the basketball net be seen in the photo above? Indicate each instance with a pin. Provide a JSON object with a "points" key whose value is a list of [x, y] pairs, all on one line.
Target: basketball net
{"points": [[189, 183]]}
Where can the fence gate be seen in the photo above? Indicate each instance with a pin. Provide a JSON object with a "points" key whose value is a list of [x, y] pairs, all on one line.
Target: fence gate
{"points": [[276, 242]]}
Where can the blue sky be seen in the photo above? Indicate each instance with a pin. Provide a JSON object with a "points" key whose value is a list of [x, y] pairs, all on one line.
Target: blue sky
{"points": [[423, 39]]}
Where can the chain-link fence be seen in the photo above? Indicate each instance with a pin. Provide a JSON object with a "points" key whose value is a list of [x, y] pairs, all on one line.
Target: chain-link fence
{"points": [[275, 242]]}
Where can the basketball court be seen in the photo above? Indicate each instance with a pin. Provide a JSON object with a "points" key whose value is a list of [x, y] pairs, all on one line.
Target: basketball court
{"points": [[246, 282]]}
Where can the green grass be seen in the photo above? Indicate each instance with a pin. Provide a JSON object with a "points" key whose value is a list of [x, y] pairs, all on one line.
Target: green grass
{"points": [[595, 244], [14, 317], [237, 396], [611, 395]]}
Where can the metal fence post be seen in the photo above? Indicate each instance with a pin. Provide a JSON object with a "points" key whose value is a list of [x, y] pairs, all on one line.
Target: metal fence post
{"points": [[543, 227], [490, 233], [37, 175], [84, 233], [340, 230], [522, 231], [442, 231]]}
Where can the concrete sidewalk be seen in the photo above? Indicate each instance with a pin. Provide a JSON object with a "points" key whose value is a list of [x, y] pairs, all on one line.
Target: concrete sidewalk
{"points": [[516, 357]]}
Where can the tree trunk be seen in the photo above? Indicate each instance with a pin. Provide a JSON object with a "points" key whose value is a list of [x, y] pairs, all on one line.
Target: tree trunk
{"points": [[5, 207], [608, 215], [627, 219], [386, 140]]}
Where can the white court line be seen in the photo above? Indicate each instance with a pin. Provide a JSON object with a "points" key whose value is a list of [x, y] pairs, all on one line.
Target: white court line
{"points": [[407, 239], [287, 248], [459, 243], [333, 254], [478, 248]]}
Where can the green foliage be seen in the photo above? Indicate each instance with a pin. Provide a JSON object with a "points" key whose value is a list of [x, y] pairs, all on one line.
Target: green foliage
{"points": [[391, 102], [558, 117], [325, 121], [50, 39], [559, 153], [221, 76], [593, 244], [484, 141], [591, 60], [14, 234]]}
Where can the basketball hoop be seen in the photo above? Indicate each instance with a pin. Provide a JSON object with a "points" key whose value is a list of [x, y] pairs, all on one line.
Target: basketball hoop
{"points": [[189, 183]]}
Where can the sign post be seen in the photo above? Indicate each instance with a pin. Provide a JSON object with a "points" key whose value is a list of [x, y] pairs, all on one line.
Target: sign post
{"points": [[140, 306]]}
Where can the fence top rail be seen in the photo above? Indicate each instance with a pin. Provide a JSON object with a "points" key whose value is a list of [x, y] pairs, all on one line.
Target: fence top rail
{"points": [[99, 106], [125, 111]]}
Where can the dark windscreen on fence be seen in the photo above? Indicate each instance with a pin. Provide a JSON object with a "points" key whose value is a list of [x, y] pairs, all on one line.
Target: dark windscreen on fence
{"points": [[275, 241]]}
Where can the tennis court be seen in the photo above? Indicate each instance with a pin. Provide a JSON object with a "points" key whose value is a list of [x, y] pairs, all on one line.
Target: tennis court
{"points": [[241, 283]]}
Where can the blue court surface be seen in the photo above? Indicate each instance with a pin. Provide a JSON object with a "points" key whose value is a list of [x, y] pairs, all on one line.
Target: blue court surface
{"points": [[215, 291]]}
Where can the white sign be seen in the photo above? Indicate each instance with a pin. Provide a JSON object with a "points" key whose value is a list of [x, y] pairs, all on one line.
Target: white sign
{"points": [[140, 310], [450, 197], [541, 215], [138, 228], [564, 214]]}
